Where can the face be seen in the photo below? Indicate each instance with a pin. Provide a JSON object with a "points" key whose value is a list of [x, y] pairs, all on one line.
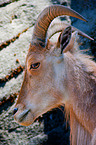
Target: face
{"points": [[39, 92], [44, 85]]}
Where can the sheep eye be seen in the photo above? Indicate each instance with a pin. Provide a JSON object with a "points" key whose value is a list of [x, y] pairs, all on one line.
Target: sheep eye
{"points": [[35, 65]]}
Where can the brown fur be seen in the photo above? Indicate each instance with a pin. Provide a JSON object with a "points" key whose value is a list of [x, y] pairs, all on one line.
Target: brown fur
{"points": [[68, 78], [80, 93]]}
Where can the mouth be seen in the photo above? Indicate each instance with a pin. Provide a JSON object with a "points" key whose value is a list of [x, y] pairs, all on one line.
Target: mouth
{"points": [[22, 115]]}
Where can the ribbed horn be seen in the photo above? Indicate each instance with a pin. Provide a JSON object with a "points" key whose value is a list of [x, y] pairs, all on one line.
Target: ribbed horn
{"points": [[46, 17]]}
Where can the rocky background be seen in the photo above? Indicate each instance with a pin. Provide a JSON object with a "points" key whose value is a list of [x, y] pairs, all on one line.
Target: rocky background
{"points": [[17, 19]]}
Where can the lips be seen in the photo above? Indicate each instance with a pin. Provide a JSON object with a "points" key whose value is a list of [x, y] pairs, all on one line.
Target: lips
{"points": [[20, 117]]}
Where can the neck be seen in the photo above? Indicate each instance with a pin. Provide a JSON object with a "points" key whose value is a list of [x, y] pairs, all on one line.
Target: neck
{"points": [[81, 91]]}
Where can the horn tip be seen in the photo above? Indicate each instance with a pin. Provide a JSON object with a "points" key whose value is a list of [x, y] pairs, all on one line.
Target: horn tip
{"points": [[84, 19]]}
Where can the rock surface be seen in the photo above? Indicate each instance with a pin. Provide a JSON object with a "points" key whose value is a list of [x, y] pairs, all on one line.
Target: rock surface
{"points": [[17, 19]]}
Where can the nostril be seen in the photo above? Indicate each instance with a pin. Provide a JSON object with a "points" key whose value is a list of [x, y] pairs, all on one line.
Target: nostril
{"points": [[15, 110]]}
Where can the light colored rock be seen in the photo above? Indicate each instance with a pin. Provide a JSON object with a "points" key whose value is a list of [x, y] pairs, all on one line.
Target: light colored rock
{"points": [[14, 18], [19, 15]]}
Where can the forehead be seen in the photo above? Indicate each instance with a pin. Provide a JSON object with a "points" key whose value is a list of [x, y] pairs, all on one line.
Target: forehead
{"points": [[35, 56], [36, 53]]}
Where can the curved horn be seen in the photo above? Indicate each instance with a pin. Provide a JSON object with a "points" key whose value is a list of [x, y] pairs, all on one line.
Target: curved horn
{"points": [[59, 27], [45, 18]]}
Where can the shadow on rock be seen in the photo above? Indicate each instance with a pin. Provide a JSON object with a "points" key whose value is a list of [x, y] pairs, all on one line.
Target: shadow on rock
{"points": [[55, 127]]}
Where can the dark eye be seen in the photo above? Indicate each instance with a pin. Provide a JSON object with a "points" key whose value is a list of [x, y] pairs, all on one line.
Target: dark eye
{"points": [[35, 65]]}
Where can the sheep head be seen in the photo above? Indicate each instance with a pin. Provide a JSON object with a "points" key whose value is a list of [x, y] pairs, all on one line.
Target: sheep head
{"points": [[45, 81]]}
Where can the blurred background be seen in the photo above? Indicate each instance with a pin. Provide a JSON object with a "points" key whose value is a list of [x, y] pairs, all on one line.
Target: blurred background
{"points": [[17, 19]]}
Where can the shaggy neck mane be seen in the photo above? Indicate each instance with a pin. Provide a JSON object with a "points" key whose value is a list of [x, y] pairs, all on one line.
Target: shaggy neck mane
{"points": [[81, 116]]}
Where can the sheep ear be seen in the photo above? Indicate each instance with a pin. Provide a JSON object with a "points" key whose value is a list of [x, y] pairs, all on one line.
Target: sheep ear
{"points": [[65, 38]]}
